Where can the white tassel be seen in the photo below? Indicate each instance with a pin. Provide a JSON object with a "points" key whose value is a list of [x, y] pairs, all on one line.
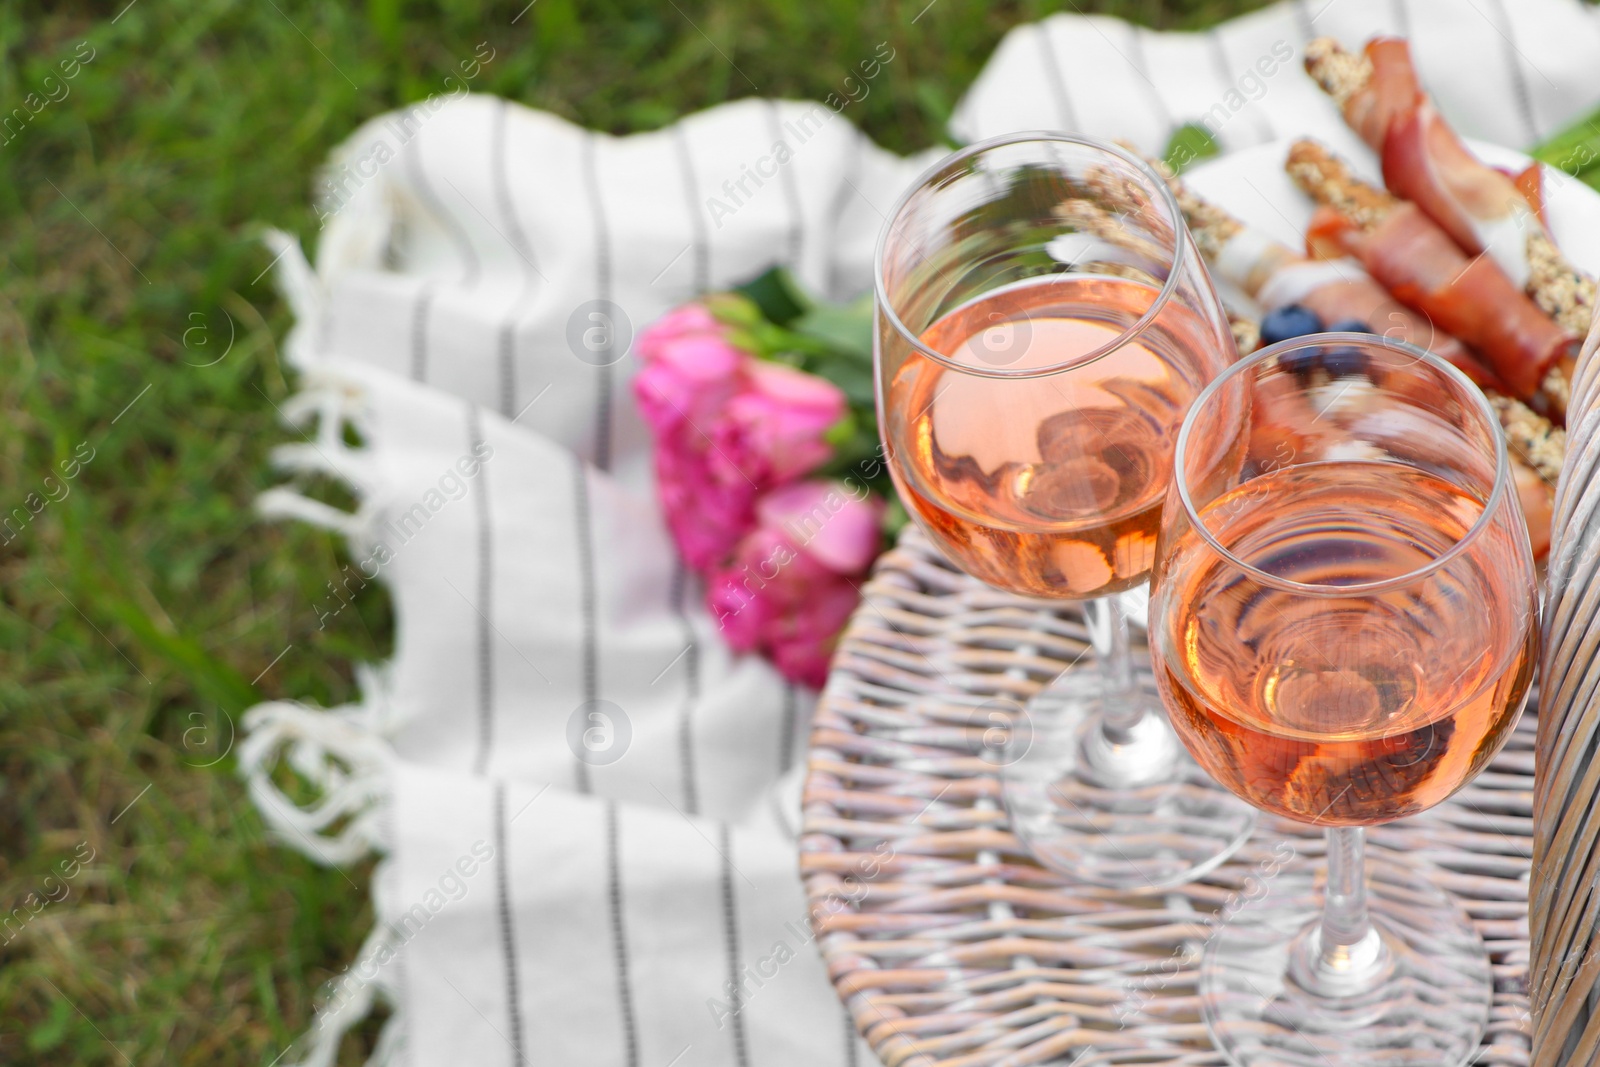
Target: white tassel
{"points": [[296, 280], [331, 401], [335, 752], [349, 999], [281, 503], [342, 751]]}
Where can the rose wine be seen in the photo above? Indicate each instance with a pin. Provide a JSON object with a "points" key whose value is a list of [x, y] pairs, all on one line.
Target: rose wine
{"points": [[1344, 709], [1048, 485]]}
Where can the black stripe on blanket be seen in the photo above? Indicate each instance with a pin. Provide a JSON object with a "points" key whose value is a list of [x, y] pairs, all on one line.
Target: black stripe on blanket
{"points": [[517, 237], [852, 171], [501, 173], [791, 189], [1057, 79], [730, 922], [508, 933], [508, 364], [447, 218], [420, 316], [619, 936], [485, 604], [787, 724], [602, 283], [589, 607], [691, 688], [1520, 92], [697, 218]]}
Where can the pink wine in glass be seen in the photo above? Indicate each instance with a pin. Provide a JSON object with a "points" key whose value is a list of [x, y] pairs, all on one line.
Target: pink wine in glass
{"points": [[1049, 485], [1345, 711]]}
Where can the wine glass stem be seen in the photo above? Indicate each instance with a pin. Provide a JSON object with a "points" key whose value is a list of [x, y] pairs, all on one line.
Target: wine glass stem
{"points": [[1108, 635], [1343, 955]]}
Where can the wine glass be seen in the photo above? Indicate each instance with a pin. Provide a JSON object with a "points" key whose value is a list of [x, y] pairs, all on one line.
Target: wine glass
{"points": [[1343, 625], [1043, 323]]}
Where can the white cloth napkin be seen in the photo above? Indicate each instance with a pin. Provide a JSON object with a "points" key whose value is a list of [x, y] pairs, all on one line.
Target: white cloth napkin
{"points": [[586, 804], [1511, 72]]}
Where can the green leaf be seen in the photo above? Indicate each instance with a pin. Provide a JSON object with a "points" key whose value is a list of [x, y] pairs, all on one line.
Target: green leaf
{"points": [[842, 431], [777, 295], [894, 516], [735, 309], [847, 327], [1188, 144], [1575, 150], [48, 1034], [856, 381], [933, 99]]}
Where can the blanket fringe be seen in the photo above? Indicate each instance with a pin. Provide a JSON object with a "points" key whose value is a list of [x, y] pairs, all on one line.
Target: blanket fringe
{"points": [[342, 752], [337, 751], [296, 280], [349, 999]]}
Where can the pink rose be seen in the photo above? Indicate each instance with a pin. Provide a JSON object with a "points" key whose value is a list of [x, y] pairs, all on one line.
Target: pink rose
{"points": [[687, 321], [727, 428], [690, 369], [840, 529], [792, 583], [777, 421]]}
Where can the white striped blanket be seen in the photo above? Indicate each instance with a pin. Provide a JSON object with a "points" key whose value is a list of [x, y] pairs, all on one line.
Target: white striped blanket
{"points": [[586, 805]]}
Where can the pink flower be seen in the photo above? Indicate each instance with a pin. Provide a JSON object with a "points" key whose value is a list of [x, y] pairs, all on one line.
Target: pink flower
{"points": [[835, 526], [778, 420], [687, 321], [727, 427], [792, 583], [690, 369], [707, 503]]}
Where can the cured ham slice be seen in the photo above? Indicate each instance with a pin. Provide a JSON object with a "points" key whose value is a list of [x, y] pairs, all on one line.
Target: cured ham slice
{"points": [[1424, 161], [1273, 274], [1482, 208], [1413, 258]]}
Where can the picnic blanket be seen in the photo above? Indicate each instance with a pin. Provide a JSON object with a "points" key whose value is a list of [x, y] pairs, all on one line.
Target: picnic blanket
{"points": [[587, 807]]}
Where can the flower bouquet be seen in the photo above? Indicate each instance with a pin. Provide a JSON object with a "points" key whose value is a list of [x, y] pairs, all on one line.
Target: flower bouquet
{"points": [[768, 462]]}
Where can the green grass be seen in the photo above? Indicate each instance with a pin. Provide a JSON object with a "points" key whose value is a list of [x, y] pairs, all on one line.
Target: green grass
{"points": [[140, 611]]}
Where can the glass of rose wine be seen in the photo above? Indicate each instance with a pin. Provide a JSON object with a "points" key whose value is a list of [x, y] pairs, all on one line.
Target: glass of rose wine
{"points": [[1043, 323], [1343, 624]]}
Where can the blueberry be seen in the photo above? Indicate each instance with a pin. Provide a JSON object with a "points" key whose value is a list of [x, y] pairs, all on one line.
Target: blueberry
{"points": [[1338, 361], [1288, 321], [1350, 326], [1344, 361], [1302, 361]]}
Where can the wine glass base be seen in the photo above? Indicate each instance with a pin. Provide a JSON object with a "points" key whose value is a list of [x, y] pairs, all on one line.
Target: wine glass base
{"points": [[1135, 813], [1428, 1005]]}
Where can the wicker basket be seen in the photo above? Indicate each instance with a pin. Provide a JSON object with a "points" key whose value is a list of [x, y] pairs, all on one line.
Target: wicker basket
{"points": [[1565, 969], [951, 946]]}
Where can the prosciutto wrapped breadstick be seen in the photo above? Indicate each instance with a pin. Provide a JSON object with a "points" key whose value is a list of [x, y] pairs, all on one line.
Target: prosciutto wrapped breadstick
{"points": [[1275, 275], [1537, 449], [1482, 208], [1469, 297]]}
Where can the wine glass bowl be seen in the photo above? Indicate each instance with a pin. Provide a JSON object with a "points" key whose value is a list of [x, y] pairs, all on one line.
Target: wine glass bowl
{"points": [[1345, 594], [1344, 630], [1043, 323]]}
